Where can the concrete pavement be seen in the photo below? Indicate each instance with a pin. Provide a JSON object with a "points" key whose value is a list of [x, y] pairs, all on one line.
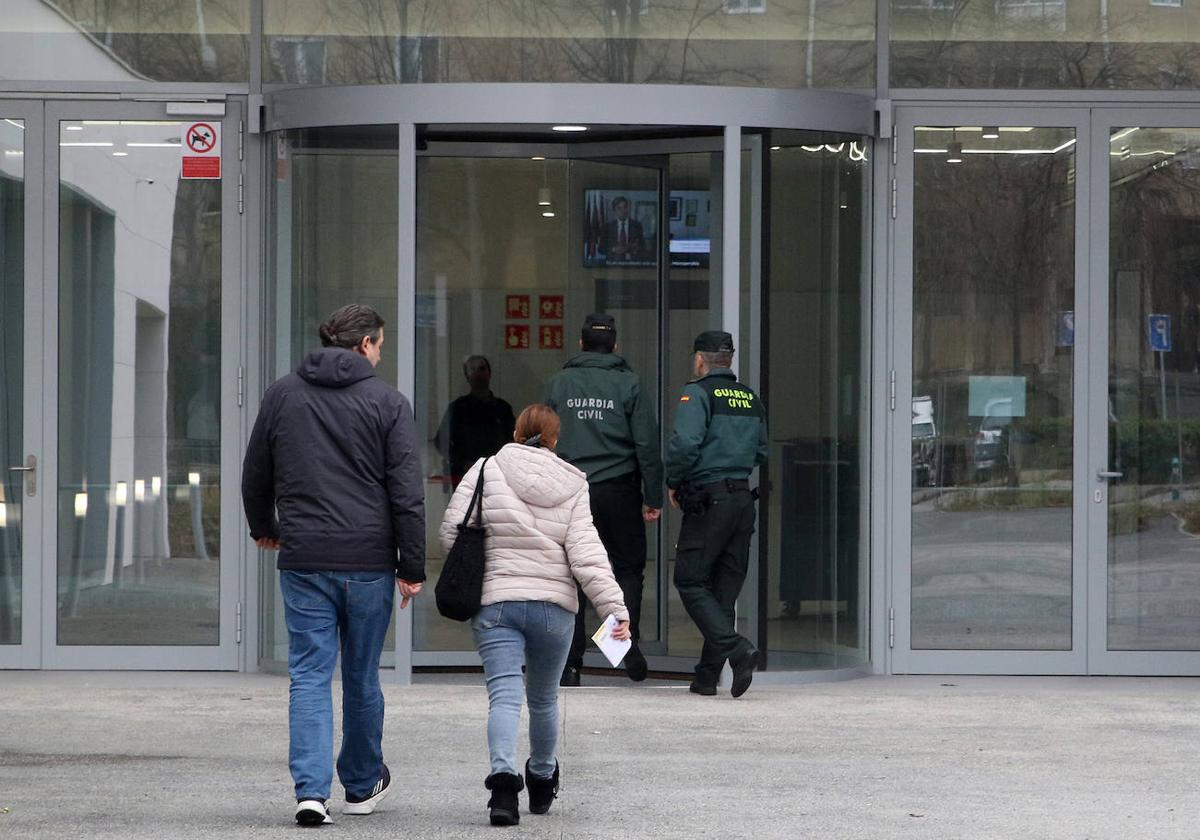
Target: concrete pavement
{"points": [[173, 756]]}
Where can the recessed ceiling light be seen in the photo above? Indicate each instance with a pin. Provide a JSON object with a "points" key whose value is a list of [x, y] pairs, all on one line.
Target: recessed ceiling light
{"points": [[538, 157], [955, 153], [991, 132], [776, 148], [548, 214], [74, 128], [120, 154], [570, 128]]}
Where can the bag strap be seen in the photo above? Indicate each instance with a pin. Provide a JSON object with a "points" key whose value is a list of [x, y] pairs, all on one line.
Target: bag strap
{"points": [[477, 499]]}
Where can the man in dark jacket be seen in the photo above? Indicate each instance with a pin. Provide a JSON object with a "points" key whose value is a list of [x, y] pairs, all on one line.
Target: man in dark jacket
{"points": [[475, 425], [610, 432], [332, 479], [720, 436]]}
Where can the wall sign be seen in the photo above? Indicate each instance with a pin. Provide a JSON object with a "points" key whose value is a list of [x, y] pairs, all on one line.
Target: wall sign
{"points": [[201, 149]]}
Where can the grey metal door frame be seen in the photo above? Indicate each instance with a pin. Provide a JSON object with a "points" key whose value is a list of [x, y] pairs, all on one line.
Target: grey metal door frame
{"points": [[225, 654], [1101, 660], [903, 659], [28, 653]]}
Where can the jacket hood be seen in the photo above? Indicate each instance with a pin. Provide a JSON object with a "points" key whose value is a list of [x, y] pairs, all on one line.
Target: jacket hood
{"points": [[604, 361], [538, 476], [335, 367]]}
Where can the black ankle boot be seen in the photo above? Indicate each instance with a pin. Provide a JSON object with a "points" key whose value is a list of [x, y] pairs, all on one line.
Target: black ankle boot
{"points": [[542, 792], [502, 807]]}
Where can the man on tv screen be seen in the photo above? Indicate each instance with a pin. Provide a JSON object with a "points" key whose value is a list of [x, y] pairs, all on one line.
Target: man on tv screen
{"points": [[624, 238]]}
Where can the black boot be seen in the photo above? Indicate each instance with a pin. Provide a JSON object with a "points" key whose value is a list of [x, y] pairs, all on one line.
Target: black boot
{"points": [[542, 792], [502, 807]]}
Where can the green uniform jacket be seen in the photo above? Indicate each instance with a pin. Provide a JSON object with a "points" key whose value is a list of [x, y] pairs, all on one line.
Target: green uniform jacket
{"points": [[608, 424], [720, 431]]}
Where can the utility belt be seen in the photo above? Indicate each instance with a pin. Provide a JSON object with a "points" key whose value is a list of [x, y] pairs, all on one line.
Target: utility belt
{"points": [[695, 499]]}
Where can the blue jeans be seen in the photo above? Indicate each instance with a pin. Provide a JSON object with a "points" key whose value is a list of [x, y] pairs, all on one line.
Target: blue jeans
{"points": [[321, 610], [536, 634]]}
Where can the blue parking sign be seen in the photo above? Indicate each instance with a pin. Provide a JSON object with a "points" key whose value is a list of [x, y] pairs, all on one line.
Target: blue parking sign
{"points": [[1158, 328]]}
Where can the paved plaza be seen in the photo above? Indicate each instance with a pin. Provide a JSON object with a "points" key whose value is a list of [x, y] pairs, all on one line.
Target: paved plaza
{"points": [[174, 756]]}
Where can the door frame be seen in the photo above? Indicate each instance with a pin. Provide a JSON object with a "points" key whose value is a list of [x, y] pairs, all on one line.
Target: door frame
{"points": [[903, 658], [28, 653], [1101, 660], [225, 654]]}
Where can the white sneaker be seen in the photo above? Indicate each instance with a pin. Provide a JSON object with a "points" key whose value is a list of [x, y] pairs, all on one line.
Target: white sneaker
{"points": [[364, 806], [312, 813]]}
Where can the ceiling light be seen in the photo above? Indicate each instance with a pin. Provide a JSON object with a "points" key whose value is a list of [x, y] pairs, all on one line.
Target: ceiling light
{"points": [[776, 148], [543, 196], [74, 128], [570, 128], [547, 214], [99, 144], [954, 153], [991, 132], [538, 157], [120, 154]]}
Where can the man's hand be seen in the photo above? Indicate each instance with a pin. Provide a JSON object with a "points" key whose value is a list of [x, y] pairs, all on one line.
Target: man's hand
{"points": [[267, 544], [621, 631], [674, 501], [408, 591], [651, 514]]}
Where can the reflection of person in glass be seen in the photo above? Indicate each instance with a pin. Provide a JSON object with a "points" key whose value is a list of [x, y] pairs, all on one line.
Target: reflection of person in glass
{"points": [[475, 425], [624, 238]]}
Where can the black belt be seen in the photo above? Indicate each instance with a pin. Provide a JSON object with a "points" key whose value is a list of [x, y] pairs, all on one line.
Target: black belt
{"points": [[728, 484]]}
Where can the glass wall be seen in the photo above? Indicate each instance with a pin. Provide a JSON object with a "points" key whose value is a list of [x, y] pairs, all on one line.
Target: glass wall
{"points": [[813, 517], [1090, 44], [761, 43], [334, 215], [139, 399], [1154, 389], [992, 373], [125, 40], [12, 372]]}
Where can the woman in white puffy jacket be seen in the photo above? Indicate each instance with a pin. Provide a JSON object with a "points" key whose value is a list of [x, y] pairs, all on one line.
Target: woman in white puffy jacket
{"points": [[540, 541]]}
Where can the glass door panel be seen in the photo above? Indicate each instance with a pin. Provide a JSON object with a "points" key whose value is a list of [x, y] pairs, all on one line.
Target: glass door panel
{"points": [[142, 351], [19, 403], [1151, 601], [990, 528]]}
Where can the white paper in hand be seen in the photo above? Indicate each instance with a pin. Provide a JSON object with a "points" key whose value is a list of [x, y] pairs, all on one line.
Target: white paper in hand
{"points": [[610, 647]]}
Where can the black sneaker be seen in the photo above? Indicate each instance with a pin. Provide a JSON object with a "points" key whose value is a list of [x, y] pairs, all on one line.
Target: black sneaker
{"points": [[703, 689], [635, 664], [311, 813], [743, 672], [363, 805], [570, 677]]}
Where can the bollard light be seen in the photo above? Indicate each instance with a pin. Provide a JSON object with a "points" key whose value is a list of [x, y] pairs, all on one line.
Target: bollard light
{"points": [[139, 490], [121, 497], [81, 505]]}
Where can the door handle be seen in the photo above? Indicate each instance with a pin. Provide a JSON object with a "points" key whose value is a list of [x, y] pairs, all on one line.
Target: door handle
{"points": [[1108, 475], [30, 470]]}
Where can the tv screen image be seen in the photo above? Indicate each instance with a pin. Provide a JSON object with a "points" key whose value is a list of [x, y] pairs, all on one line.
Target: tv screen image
{"points": [[620, 227], [690, 241]]}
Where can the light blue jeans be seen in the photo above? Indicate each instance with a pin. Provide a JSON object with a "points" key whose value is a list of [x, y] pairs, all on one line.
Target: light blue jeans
{"points": [[328, 613], [536, 634]]}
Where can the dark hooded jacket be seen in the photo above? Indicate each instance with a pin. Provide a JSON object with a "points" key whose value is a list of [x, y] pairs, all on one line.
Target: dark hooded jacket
{"points": [[333, 470]]}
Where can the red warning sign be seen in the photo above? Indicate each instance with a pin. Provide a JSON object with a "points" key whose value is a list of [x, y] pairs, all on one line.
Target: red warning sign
{"points": [[516, 336], [201, 149], [550, 337]]}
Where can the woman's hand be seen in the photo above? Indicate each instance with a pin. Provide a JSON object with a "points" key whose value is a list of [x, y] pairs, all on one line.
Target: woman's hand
{"points": [[621, 631]]}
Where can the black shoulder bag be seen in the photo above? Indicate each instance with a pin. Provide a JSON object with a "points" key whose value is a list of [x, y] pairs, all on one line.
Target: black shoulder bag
{"points": [[459, 589]]}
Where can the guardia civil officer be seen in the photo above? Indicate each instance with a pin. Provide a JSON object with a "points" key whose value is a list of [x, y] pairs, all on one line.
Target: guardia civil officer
{"points": [[609, 431], [720, 436]]}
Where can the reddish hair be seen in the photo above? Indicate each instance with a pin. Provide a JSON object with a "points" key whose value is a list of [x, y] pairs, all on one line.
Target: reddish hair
{"points": [[538, 419]]}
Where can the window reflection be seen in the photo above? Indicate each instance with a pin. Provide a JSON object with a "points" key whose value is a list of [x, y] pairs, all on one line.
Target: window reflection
{"points": [[139, 389], [12, 377]]}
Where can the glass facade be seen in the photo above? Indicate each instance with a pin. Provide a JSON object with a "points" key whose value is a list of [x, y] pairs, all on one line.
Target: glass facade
{"points": [[139, 397], [1094, 45], [12, 373], [760, 43], [125, 41]]}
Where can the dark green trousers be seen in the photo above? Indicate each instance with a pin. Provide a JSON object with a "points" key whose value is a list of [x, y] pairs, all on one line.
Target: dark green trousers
{"points": [[711, 560]]}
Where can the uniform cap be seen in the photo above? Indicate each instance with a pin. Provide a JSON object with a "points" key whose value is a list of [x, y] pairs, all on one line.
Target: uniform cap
{"points": [[597, 321], [713, 341]]}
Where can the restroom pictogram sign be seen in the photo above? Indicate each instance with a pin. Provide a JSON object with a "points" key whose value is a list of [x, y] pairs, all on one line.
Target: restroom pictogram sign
{"points": [[201, 149]]}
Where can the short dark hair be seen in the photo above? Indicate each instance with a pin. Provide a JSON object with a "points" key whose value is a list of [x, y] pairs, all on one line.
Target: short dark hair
{"points": [[719, 359], [471, 361], [348, 326], [620, 200], [598, 341]]}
